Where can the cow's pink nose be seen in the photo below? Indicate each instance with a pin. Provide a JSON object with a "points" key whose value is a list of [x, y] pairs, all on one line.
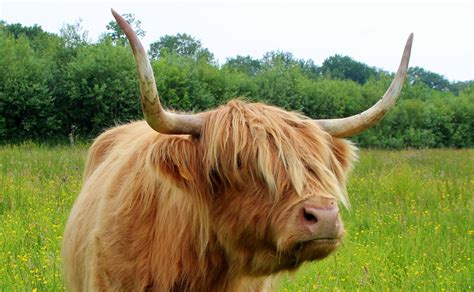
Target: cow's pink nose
{"points": [[322, 223]]}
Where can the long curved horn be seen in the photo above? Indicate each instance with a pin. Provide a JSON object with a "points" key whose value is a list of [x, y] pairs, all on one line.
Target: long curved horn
{"points": [[356, 124], [159, 119]]}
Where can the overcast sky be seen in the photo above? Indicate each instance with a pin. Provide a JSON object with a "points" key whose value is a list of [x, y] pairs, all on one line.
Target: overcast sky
{"points": [[373, 32]]}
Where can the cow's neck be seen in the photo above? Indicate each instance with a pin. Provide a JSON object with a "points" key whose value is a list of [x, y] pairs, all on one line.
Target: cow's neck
{"points": [[211, 271]]}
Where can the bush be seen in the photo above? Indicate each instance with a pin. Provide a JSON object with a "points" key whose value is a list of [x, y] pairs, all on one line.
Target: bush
{"points": [[48, 86]]}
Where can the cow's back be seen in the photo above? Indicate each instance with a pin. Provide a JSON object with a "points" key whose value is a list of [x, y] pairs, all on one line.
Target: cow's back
{"points": [[103, 163]]}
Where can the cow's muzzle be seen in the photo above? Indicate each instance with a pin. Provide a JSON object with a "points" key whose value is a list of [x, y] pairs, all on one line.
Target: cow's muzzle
{"points": [[321, 223]]}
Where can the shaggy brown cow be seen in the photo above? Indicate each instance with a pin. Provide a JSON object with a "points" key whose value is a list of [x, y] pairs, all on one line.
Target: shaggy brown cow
{"points": [[249, 191]]}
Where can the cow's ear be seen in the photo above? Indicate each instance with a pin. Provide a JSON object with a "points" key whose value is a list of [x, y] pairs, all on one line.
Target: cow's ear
{"points": [[345, 153], [178, 159]]}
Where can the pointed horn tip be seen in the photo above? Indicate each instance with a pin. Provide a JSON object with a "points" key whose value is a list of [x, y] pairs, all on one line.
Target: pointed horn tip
{"points": [[114, 13], [117, 15], [407, 51], [410, 40]]}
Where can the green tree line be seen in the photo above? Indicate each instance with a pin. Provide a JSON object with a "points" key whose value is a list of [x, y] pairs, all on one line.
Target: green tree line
{"points": [[51, 84]]}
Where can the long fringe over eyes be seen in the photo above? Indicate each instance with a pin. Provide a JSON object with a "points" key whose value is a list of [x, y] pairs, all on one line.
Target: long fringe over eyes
{"points": [[284, 150]]}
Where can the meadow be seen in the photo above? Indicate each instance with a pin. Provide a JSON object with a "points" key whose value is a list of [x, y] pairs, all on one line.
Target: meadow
{"points": [[410, 226]]}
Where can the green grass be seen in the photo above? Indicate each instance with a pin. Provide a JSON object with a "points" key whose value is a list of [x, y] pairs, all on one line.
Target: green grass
{"points": [[410, 227], [37, 188]]}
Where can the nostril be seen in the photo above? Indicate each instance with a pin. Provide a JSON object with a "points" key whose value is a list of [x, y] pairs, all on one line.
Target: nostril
{"points": [[309, 216]]}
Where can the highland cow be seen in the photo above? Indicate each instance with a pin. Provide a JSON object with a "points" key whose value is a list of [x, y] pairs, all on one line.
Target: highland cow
{"points": [[222, 200]]}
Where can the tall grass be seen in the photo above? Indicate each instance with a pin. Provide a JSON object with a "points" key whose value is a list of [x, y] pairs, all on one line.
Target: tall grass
{"points": [[410, 226], [37, 188]]}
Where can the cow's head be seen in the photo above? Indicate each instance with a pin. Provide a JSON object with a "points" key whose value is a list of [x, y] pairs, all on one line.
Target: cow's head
{"points": [[277, 179], [271, 180]]}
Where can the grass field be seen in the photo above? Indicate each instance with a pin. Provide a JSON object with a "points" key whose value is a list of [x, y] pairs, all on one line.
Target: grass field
{"points": [[411, 224]]}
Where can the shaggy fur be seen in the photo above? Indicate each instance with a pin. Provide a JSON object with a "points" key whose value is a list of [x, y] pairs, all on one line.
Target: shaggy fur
{"points": [[211, 213]]}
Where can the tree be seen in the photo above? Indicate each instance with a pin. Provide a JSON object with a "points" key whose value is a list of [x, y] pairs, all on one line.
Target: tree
{"points": [[459, 86], [343, 67], [116, 34], [31, 32], [432, 80], [247, 65], [309, 69], [26, 102], [101, 87], [74, 34], [278, 58], [39, 40], [182, 45]]}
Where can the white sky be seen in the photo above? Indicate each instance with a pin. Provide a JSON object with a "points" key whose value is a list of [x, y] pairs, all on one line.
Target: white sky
{"points": [[373, 32]]}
